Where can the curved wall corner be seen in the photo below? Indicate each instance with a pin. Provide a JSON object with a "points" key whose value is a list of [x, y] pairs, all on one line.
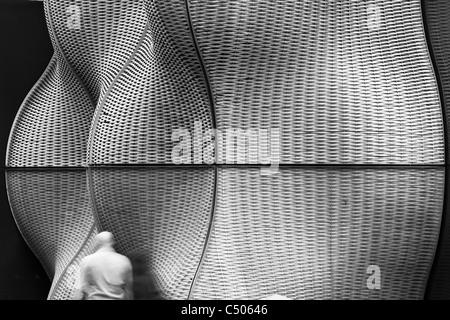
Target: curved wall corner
{"points": [[162, 215], [51, 128], [436, 15], [161, 90], [53, 212]]}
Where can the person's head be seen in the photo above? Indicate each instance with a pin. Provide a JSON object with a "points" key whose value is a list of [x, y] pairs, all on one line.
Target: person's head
{"points": [[103, 239]]}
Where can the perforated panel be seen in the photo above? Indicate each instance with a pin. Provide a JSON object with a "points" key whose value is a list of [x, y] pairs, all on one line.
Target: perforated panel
{"points": [[438, 24], [52, 125], [344, 81], [439, 281], [53, 212], [339, 89], [108, 34], [162, 214], [437, 17], [161, 90], [312, 233]]}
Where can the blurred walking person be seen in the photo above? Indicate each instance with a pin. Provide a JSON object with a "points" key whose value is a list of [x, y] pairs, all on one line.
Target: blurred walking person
{"points": [[105, 274], [144, 284]]}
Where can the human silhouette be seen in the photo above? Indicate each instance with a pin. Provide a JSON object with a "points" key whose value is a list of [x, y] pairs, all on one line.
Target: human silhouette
{"points": [[105, 274]]}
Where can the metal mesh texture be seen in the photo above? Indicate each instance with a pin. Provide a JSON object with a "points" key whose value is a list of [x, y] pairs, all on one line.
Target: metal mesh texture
{"points": [[161, 90], [339, 89], [53, 212], [312, 233], [161, 214], [440, 280], [96, 37], [345, 82], [438, 24], [52, 125], [437, 17]]}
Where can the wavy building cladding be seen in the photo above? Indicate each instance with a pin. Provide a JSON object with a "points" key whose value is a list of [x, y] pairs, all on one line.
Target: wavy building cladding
{"points": [[344, 82], [53, 212]]}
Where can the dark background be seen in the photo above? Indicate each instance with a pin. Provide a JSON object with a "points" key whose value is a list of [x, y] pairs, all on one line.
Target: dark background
{"points": [[25, 52]]}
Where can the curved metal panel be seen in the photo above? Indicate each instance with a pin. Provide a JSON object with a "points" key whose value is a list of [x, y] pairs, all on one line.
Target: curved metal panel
{"points": [[345, 82], [53, 212], [52, 125], [313, 233], [96, 37], [162, 214], [161, 90]]}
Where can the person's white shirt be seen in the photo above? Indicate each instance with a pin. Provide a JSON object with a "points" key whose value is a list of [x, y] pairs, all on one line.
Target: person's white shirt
{"points": [[105, 274]]}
